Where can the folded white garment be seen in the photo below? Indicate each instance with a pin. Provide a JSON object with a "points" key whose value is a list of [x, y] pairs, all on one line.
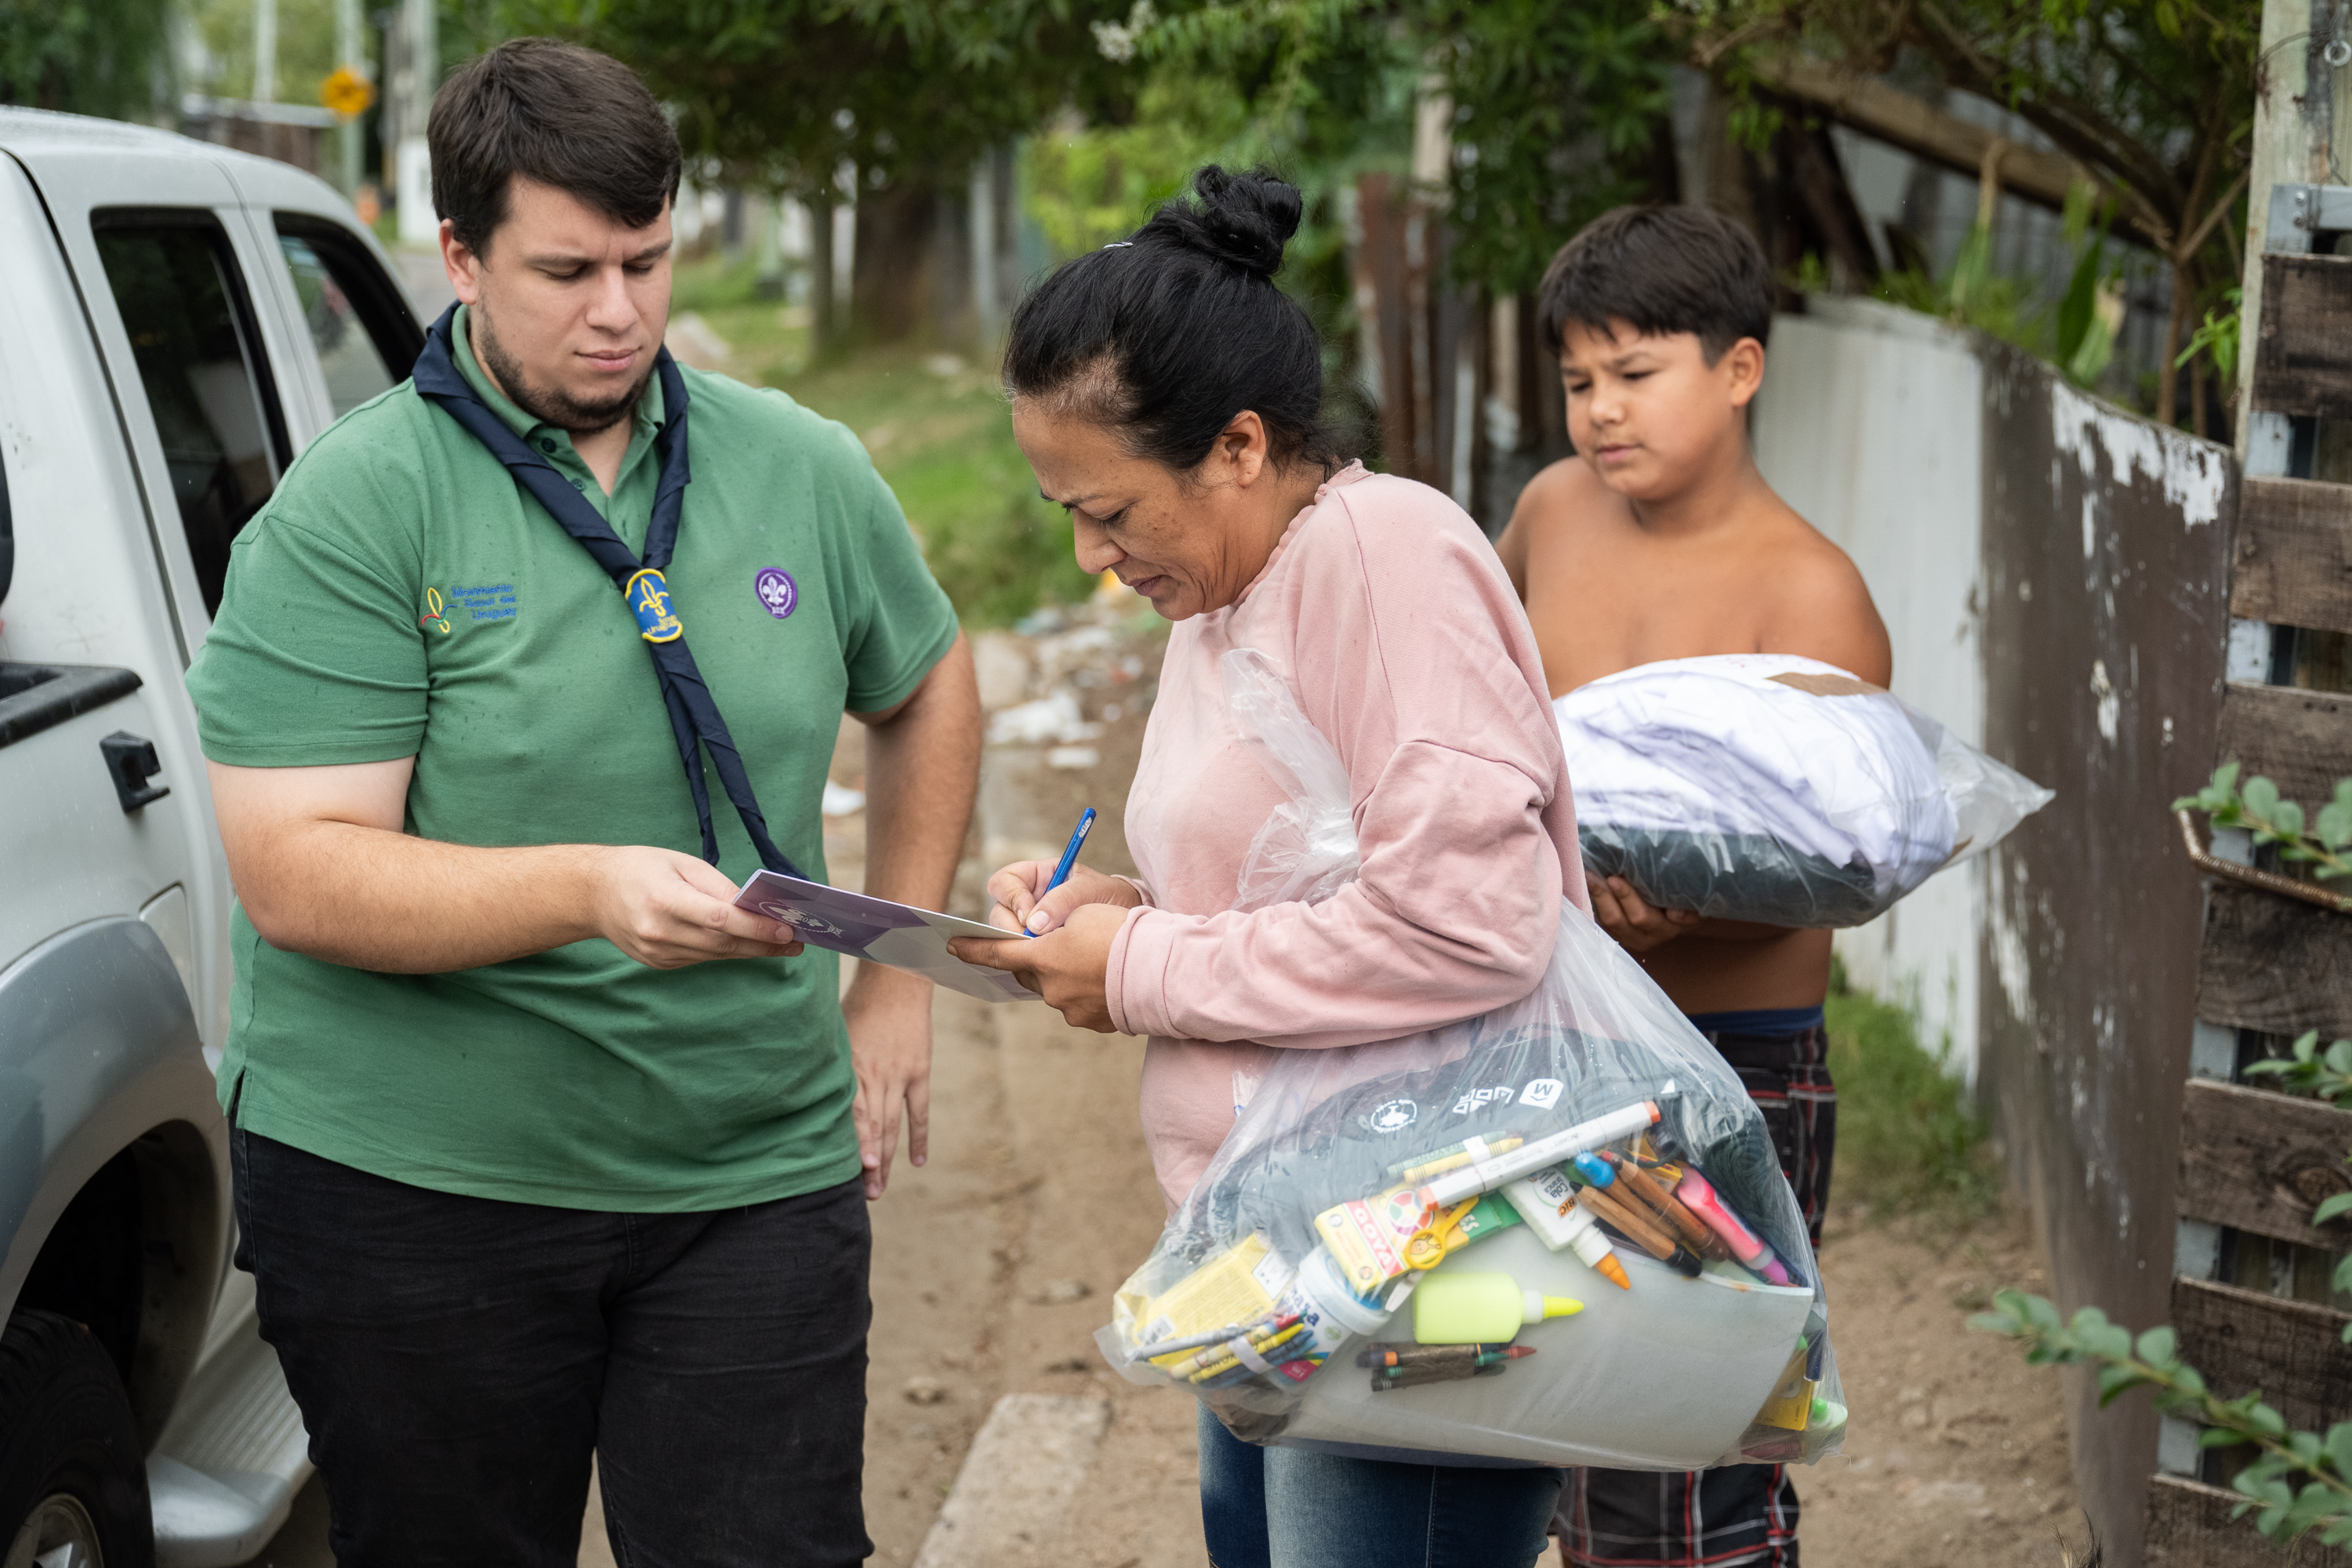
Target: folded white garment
{"points": [[1769, 787]]}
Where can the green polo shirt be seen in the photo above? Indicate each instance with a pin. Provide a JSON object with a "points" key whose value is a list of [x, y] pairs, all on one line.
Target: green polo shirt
{"points": [[399, 596]]}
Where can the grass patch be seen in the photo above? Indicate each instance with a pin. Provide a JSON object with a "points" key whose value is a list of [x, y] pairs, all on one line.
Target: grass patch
{"points": [[940, 437], [1908, 1139]]}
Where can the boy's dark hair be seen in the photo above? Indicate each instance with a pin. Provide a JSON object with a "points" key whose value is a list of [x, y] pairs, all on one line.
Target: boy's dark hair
{"points": [[1660, 270], [560, 114], [1166, 335]]}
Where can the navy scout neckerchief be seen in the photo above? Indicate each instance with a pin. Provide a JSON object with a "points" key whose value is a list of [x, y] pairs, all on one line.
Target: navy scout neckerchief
{"points": [[693, 712]]}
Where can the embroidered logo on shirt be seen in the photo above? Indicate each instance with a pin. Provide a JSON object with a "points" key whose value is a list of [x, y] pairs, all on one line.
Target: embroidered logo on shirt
{"points": [[648, 598], [436, 612], [778, 592], [484, 602]]}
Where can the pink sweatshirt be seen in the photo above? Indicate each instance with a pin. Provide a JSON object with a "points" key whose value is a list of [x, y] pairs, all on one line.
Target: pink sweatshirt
{"points": [[1398, 631]]}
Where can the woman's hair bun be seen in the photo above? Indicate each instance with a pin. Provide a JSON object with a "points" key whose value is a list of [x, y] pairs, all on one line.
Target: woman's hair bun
{"points": [[1242, 219]]}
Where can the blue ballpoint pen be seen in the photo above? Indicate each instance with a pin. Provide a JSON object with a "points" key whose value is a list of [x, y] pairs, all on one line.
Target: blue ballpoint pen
{"points": [[1070, 852]]}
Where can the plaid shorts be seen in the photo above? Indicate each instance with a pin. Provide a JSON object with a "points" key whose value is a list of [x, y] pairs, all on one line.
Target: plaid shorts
{"points": [[1742, 1513]]}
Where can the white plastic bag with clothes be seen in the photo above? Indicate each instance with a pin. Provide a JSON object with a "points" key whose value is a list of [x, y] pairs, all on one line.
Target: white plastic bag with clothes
{"points": [[1395, 1251], [1773, 788]]}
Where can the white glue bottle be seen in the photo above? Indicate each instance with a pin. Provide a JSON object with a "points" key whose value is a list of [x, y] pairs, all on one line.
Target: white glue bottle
{"points": [[1329, 1311], [1541, 1197]]}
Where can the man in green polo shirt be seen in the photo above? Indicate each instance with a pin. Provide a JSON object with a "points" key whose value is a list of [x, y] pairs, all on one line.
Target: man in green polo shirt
{"points": [[542, 1148]]}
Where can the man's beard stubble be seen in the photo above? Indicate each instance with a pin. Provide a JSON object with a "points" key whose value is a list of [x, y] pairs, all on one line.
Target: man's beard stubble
{"points": [[550, 406]]}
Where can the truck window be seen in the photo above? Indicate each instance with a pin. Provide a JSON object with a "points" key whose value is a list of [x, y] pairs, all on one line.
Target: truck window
{"points": [[361, 326], [190, 327]]}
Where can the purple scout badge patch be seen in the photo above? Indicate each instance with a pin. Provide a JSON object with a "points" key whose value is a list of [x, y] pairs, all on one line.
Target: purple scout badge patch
{"points": [[778, 592]]}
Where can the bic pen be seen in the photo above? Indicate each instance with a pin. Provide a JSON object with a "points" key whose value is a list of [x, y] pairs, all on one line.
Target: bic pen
{"points": [[1069, 854]]}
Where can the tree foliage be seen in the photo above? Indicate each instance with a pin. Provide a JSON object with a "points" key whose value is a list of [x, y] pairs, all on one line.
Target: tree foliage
{"points": [[85, 57], [1559, 110], [2154, 98], [782, 92]]}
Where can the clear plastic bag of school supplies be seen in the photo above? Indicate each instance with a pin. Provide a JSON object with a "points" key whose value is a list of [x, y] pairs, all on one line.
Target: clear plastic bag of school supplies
{"points": [[1396, 1250], [1768, 788]]}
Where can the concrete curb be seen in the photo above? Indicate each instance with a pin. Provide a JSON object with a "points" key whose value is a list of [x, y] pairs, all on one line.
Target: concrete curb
{"points": [[1018, 1483]]}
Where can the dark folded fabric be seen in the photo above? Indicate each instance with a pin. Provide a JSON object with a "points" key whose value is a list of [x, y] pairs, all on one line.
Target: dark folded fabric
{"points": [[1743, 877]]}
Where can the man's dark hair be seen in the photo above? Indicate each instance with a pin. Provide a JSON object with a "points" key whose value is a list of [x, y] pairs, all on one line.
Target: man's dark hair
{"points": [[1167, 334], [1660, 270], [557, 114]]}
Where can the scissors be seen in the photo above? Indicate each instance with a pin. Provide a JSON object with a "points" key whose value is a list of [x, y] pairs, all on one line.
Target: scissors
{"points": [[1440, 1233]]}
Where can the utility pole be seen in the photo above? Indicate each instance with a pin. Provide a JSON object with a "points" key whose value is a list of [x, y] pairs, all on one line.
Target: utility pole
{"points": [[265, 52], [418, 223], [351, 54]]}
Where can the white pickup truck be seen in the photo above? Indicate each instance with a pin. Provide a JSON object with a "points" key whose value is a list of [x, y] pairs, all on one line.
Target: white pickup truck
{"points": [[176, 322]]}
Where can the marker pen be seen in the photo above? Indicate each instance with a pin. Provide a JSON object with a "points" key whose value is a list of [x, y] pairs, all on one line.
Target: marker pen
{"points": [[1485, 1176], [1463, 1153], [1749, 1249]]}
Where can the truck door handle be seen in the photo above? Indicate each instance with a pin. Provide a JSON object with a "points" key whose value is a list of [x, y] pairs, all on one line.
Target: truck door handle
{"points": [[131, 761]]}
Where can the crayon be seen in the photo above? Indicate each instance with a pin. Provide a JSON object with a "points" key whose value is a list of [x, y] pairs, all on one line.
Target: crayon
{"points": [[1467, 1151], [1253, 1356], [1485, 1176], [1639, 1231], [1255, 1338], [1475, 1364], [1686, 1225], [1413, 1377], [1401, 1356]]}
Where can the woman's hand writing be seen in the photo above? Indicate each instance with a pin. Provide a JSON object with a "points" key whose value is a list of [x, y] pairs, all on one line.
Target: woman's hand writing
{"points": [[1022, 904], [1067, 966]]}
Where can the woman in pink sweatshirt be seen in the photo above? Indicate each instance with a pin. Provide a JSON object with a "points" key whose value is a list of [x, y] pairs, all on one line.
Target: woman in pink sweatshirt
{"points": [[1168, 395]]}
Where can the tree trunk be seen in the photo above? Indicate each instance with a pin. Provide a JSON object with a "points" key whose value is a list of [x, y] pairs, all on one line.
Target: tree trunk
{"points": [[891, 286], [820, 277], [2168, 374]]}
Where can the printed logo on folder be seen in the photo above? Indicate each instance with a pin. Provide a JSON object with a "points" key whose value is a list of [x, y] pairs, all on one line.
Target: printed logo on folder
{"points": [[880, 931]]}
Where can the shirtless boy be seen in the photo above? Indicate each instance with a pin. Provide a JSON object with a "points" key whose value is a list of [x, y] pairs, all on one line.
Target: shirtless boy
{"points": [[1661, 539]]}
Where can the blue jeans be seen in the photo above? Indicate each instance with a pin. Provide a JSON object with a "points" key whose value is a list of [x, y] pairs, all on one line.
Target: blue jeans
{"points": [[1290, 1507]]}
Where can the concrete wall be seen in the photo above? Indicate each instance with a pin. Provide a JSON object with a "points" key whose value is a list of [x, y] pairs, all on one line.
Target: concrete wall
{"points": [[1870, 425], [2053, 574], [2107, 579]]}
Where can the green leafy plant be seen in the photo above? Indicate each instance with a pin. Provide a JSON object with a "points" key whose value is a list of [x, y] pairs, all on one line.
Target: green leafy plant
{"points": [[2299, 1482], [2217, 338], [2093, 303], [2257, 807], [2323, 1075]]}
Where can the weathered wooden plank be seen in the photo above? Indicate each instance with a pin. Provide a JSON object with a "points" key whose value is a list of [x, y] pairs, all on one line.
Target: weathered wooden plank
{"points": [[2301, 740], [2261, 1161], [2290, 557], [2274, 964], [2293, 1351], [2188, 1526], [2301, 365]]}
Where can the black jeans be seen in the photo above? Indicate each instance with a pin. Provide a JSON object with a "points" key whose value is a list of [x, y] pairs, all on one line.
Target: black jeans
{"points": [[457, 1360]]}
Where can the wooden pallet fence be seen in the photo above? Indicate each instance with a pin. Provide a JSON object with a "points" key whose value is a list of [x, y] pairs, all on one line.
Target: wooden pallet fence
{"points": [[2188, 1526], [2274, 965], [2293, 1351], [2290, 558], [2257, 1161], [2300, 365]]}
